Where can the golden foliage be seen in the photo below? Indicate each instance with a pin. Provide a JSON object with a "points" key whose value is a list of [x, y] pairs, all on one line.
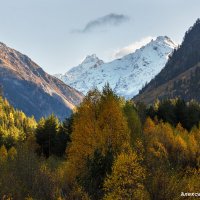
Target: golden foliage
{"points": [[127, 179], [3, 154], [149, 127], [98, 124]]}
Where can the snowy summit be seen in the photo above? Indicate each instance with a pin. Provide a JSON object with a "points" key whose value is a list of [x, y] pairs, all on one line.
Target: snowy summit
{"points": [[126, 75]]}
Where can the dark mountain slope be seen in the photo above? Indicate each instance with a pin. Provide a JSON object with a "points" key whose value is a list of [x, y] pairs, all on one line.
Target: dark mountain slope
{"points": [[180, 77], [29, 88]]}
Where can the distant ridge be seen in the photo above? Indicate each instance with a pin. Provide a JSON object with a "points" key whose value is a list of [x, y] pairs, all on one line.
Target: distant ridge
{"points": [[29, 88]]}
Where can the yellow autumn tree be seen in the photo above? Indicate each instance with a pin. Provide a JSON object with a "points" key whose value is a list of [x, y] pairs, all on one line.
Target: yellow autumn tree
{"points": [[112, 121], [149, 128], [164, 133], [12, 152], [156, 155], [3, 154], [99, 123], [180, 151], [85, 136], [127, 179], [193, 149]]}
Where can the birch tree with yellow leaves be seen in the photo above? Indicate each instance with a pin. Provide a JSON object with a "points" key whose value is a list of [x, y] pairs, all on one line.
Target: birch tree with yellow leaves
{"points": [[99, 123]]}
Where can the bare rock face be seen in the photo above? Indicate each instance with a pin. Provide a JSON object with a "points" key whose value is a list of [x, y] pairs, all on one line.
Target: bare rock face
{"points": [[29, 88]]}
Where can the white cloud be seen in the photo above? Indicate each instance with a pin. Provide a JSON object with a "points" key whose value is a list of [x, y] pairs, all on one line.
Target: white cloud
{"points": [[131, 48]]}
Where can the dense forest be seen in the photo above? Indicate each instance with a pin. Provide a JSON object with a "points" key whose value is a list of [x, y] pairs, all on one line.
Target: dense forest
{"points": [[109, 149]]}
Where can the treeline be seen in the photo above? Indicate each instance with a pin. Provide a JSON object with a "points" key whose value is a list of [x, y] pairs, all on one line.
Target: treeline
{"points": [[176, 111], [109, 149]]}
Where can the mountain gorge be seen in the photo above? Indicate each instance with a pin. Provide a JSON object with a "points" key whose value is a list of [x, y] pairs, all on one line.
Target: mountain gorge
{"points": [[181, 75], [126, 75], [29, 88]]}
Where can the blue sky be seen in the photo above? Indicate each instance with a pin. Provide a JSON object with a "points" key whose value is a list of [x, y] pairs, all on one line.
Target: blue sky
{"points": [[58, 34]]}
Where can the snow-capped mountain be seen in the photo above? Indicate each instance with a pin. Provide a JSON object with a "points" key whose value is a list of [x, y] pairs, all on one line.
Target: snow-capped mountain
{"points": [[127, 75]]}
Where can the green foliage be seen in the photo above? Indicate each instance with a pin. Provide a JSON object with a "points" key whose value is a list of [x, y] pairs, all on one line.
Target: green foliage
{"points": [[52, 136], [176, 111], [14, 125], [25, 175], [98, 168], [134, 122]]}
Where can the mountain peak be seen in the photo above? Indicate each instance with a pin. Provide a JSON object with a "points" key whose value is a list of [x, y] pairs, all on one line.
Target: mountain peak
{"points": [[163, 38], [92, 59], [126, 75], [166, 40], [180, 76]]}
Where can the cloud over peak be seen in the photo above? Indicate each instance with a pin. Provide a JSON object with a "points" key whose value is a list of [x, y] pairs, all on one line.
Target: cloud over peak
{"points": [[131, 48], [111, 19]]}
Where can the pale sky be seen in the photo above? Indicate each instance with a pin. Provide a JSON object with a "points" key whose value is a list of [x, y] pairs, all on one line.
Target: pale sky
{"points": [[58, 34]]}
